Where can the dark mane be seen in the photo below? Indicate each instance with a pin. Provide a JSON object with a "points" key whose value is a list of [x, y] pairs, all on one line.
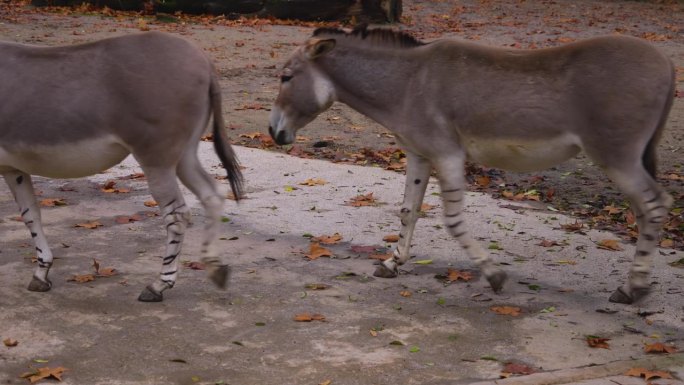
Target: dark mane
{"points": [[377, 36]]}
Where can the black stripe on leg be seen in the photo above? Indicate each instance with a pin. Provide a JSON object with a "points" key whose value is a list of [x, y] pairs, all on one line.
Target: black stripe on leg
{"points": [[454, 200], [38, 249], [451, 191], [170, 272], [174, 242], [33, 235], [642, 253], [455, 224], [24, 212], [459, 235], [452, 215], [649, 237]]}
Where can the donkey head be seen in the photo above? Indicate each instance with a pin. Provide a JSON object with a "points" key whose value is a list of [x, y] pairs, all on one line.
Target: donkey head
{"points": [[305, 91]]}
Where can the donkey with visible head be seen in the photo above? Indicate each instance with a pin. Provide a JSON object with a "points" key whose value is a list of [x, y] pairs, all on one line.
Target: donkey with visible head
{"points": [[520, 110], [74, 111]]}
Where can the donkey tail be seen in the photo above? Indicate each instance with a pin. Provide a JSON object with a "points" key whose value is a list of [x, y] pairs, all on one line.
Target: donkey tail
{"points": [[649, 158], [221, 145]]}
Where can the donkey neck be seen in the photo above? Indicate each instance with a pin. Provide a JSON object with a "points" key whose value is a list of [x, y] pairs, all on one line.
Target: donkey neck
{"points": [[372, 82]]}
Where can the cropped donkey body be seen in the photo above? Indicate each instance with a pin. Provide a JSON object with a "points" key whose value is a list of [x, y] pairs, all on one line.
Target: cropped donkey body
{"points": [[518, 110], [74, 111]]}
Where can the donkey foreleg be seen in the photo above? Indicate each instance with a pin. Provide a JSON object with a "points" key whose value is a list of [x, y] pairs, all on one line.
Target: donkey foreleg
{"points": [[22, 189], [452, 183], [651, 205], [417, 178]]}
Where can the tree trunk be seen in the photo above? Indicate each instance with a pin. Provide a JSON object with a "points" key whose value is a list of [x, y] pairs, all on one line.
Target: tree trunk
{"points": [[378, 11]]}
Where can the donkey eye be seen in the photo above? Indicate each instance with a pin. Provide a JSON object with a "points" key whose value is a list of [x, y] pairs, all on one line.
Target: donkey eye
{"points": [[285, 78]]}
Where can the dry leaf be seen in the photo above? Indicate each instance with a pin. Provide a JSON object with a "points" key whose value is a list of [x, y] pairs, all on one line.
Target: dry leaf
{"points": [[427, 207], [482, 181], [308, 317], [455, 275], [513, 368], [598, 342], [405, 293], [609, 244], [313, 182], [52, 202], [82, 278], [391, 238], [647, 374], [108, 187], [42, 373], [381, 257], [151, 203], [326, 382], [89, 225], [316, 251], [328, 239], [107, 272], [362, 200], [660, 347], [194, 265], [10, 342], [506, 310]]}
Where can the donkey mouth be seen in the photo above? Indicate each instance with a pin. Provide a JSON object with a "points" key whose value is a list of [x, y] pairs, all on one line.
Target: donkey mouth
{"points": [[280, 137]]}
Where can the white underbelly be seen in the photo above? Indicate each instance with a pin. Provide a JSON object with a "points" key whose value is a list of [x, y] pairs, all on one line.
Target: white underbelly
{"points": [[522, 155], [64, 160]]}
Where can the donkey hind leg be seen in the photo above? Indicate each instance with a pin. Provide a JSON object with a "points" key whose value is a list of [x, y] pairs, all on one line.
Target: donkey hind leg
{"points": [[651, 204], [417, 178], [22, 189], [452, 183], [203, 186], [164, 188]]}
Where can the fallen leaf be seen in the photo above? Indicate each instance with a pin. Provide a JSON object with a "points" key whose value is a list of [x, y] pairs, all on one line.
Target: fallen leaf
{"points": [[326, 382], [316, 251], [193, 265], [609, 244], [151, 203], [380, 257], [598, 342], [454, 275], [391, 238], [362, 200], [573, 227], [647, 374], [10, 343], [667, 243], [405, 293], [425, 207], [483, 181], [43, 373], [107, 272], [89, 225], [313, 182], [81, 278], [328, 239], [316, 286], [109, 188], [307, 317], [423, 262], [660, 347], [52, 202], [506, 310]]}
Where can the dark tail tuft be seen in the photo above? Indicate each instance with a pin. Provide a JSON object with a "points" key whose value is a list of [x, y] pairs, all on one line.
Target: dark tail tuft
{"points": [[221, 145], [649, 158]]}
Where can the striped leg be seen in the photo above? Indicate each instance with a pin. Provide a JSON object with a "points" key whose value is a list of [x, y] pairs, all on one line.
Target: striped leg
{"points": [[651, 205], [22, 189], [452, 183], [164, 189], [203, 186], [417, 177]]}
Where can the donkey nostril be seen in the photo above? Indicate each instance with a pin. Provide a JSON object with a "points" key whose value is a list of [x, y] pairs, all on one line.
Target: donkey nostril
{"points": [[280, 139]]}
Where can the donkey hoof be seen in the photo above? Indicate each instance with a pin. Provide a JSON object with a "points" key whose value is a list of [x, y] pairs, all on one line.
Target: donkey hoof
{"points": [[621, 296], [38, 285], [220, 276], [383, 271], [497, 280], [149, 295]]}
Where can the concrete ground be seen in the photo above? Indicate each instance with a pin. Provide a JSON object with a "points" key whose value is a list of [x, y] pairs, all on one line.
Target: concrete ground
{"points": [[435, 333]]}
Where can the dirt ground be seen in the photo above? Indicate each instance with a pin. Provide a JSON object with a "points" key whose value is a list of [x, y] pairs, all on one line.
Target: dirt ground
{"points": [[248, 55]]}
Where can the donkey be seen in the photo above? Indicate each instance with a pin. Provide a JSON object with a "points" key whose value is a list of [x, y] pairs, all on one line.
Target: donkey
{"points": [[520, 110], [73, 111]]}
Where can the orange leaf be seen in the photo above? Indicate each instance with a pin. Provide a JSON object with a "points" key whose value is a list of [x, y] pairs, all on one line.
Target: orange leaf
{"points": [[89, 225], [660, 347], [316, 251], [482, 181], [391, 238], [381, 257], [647, 374], [194, 265], [609, 244], [107, 272], [513, 368], [405, 293], [42, 373], [598, 342], [308, 317], [427, 207], [328, 239], [313, 182], [455, 275], [52, 202], [83, 278], [10, 342], [362, 200], [506, 310], [151, 203]]}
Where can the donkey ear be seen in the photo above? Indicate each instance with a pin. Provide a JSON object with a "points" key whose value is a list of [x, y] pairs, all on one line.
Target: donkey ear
{"points": [[317, 47]]}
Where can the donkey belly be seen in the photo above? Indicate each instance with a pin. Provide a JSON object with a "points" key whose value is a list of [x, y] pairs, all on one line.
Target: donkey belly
{"points": [[63, 160], [522, 155]]}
